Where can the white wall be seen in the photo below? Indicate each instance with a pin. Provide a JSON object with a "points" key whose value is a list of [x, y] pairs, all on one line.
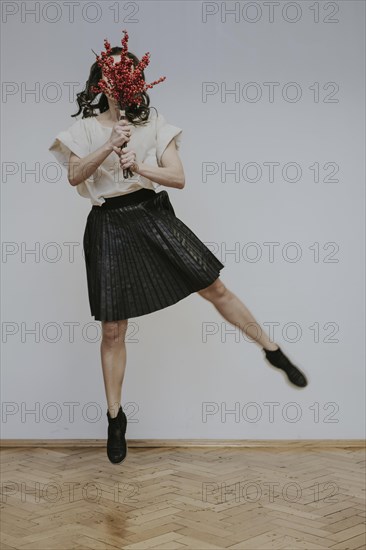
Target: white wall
{"points": [[174, 372]]}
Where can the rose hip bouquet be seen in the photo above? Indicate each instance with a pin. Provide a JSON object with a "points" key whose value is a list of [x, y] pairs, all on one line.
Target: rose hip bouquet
{"points": [[123, 84]]}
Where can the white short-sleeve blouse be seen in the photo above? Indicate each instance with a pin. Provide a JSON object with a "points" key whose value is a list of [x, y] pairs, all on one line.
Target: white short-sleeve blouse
{"points": [[86, 135]]}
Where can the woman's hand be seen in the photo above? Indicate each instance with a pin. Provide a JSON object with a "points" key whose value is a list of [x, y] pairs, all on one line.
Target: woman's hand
{"points": [[121, 132], [128, 160]]}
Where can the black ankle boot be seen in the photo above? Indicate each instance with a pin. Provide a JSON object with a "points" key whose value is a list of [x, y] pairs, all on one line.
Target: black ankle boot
{"points": [[279, 360], [116, 444]]}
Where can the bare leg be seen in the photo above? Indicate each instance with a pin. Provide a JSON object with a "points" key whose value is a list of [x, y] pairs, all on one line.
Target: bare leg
{"points": [[113, 356], [236, 313]]}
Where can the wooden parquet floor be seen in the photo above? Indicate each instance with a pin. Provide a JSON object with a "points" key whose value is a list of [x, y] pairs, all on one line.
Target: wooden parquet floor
{"points": [[179, 498]]}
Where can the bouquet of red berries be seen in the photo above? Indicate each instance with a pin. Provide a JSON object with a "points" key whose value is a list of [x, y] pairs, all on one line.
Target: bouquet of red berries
{"points": [[123, 84]]}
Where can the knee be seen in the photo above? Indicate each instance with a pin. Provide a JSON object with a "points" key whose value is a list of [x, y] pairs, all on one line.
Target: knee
{"points": [[214, 291], [114, 332]]}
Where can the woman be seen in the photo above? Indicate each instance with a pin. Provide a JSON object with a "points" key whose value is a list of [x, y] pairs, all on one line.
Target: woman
{"points": [[139, 256]]}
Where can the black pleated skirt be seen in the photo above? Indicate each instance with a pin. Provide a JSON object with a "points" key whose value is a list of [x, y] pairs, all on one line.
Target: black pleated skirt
{"points": [[140, 257]]}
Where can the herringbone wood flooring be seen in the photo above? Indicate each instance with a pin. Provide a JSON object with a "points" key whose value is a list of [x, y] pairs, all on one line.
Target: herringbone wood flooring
{"points": [[171, 498]]}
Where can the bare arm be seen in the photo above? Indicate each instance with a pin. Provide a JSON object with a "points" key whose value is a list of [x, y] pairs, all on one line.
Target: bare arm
{"points": [[79, 169], [170, 174]]}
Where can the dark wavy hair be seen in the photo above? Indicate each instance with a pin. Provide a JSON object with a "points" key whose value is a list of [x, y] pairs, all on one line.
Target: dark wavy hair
{"points": [[137, 115]]}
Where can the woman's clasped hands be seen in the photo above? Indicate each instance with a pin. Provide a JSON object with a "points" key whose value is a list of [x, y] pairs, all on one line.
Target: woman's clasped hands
{"points": [[121, 133]]}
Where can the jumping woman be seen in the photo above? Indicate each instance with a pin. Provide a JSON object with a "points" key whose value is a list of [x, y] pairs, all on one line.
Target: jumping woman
{"points": [[139, 256]]}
